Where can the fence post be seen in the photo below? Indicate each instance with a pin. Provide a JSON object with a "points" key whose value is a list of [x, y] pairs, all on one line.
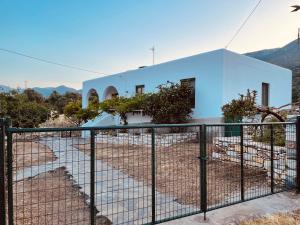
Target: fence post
{"points": [[153, 171], [298, 151], [242, 163], [272, 159], [2, 174], [92, 178], [10, 203], [203, 178]]}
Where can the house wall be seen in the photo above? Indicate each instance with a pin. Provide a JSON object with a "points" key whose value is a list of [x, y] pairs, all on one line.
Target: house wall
{"points": [[206, 68], [220, 76], [242, 73]]}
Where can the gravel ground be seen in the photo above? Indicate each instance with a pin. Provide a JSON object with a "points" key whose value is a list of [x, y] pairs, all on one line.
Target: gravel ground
{"points": [[27, 154], [51, 199], [178, 171]]}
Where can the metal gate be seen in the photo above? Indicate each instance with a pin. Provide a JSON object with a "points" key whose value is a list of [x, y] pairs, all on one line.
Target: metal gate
{"points": [[140, 174]]}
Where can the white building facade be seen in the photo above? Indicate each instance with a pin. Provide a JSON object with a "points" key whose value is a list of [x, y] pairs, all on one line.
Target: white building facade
{"points": [[218, 76]]}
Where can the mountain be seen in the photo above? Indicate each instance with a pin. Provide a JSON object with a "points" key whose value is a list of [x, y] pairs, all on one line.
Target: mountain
{"points": [[4, 88], [44, 91], [48, 90], [288, 57]]}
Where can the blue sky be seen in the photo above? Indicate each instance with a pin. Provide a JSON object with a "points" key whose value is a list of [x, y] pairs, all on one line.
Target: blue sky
{"points": [[114, 35]]}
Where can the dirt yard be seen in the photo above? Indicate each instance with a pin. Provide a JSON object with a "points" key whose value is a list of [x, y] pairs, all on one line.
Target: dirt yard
{"points": [[178, 171], [27, 154], [292, 218], [51, 198]]}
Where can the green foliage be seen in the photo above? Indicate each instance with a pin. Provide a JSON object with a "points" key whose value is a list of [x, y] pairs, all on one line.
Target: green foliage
{"points": [[57, 102], [263, 134], [122, 105], [244, 106], [74, 111], [25, 109], [171, 104], [93, 98], [33, 96]]}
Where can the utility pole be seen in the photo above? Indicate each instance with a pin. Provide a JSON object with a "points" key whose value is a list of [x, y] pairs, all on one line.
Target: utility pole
{"points": [[26, 84], [153, 54]]}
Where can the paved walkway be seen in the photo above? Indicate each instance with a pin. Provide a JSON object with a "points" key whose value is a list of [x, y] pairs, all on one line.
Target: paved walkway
{"points": [[232, 215], [118, 196]]}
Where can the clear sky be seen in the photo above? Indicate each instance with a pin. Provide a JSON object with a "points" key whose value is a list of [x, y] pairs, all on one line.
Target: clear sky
{"points": [[115, 35]]}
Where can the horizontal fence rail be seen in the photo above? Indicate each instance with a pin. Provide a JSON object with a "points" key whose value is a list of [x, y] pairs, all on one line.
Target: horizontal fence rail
{"points": [[143, 174]]}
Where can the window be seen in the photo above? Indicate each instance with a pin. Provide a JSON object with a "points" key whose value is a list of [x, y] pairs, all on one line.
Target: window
{"points": [[265, 94], [139, 89], [191, 83]]}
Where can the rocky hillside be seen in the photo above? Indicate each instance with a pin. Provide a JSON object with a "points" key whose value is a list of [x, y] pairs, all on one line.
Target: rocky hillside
{"points": [[288, 57]]}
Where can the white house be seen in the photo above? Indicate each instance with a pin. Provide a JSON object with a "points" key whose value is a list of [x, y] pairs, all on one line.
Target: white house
{"points": [[218, 77]]}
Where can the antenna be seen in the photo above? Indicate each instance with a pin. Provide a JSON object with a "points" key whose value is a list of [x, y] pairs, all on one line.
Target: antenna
{"points": [[153, 54]]}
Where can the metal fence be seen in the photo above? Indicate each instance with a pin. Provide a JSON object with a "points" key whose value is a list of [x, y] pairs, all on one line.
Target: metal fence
{"points": [[140, 174]]}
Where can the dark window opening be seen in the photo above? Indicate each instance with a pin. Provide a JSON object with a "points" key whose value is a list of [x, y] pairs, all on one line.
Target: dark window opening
{"points": [[191, 83], [139, 89], [265, 94]]}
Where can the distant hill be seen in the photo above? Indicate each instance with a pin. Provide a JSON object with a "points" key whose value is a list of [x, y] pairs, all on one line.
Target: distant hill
{"points": [[48, 90], [4, 88], [288, 57], [44, 91]]}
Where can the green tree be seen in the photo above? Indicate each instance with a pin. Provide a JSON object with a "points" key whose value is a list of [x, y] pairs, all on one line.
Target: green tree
{"points": [[33, 96], [244, 106], [22, 111], [123, 106], [57, 102], [78, 115], [171, 104]]}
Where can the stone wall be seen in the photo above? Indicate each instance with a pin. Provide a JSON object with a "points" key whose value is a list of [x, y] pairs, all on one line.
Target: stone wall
{"points": [[145, 139], [258, 155]]}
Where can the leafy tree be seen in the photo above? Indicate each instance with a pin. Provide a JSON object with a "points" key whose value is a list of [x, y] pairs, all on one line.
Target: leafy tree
{"points": [[22, 111], [58, 102], [33, 96], [244, 106], [78, 115], [93, 98], [171, 104], [123, 106]]}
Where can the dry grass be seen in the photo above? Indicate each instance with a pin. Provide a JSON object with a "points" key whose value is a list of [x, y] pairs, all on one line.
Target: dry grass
{"points": [[51, 199], [277, 219], [30, 153], [177, 170]]}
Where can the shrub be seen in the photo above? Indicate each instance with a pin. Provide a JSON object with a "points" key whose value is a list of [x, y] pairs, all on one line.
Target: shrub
{"points": [[263, 134], [171, 104], [244, 106]]}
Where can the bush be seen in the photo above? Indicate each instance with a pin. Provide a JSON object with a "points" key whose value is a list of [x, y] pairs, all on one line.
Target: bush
{"points": [[25, 109], [244, 106], [171, 104], [263, 134]]}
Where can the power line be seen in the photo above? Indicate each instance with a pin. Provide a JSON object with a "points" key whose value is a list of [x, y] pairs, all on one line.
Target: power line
{"points": [[243, 24], [48, 61]]}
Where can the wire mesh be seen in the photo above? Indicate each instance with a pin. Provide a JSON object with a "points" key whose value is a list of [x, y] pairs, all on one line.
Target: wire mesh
{"points": [[144, 175]]}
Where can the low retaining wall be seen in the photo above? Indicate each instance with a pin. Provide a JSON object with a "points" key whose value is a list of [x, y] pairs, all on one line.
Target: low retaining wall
{"points": [[163, 140], [258, 154]]}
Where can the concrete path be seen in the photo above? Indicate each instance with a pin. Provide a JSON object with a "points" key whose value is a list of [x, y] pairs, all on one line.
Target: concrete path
{"points": [[119, 197], [282, 202]]}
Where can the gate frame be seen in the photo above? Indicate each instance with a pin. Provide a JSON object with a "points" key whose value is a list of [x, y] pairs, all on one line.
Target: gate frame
{"points": [[3, 201]]}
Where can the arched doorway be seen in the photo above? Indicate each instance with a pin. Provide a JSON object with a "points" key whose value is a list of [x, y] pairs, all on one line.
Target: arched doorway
{"points": [[93, 97], [110, 92]]}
